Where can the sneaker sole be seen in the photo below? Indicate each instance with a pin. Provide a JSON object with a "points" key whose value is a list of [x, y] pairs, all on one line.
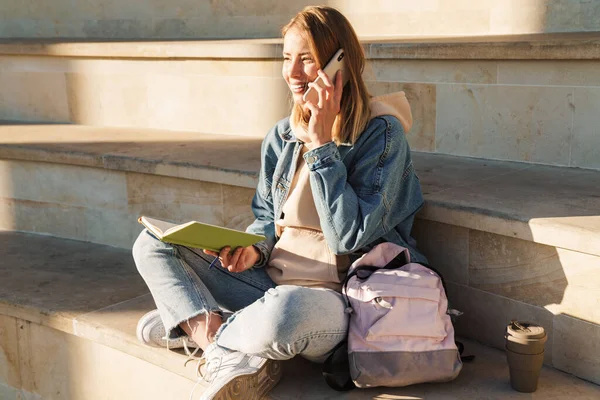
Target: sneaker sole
{"points": [[252, 387]]}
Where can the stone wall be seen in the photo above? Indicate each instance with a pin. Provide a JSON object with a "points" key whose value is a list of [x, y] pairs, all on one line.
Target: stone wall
{"points": [[141, 19], [541, 111]]}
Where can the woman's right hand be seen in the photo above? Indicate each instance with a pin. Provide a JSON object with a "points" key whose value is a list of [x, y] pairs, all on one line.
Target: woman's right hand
{"points": [[240, 260]]}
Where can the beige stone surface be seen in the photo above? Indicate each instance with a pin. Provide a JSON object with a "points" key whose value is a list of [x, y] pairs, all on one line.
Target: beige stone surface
{"points": [[242, 105], [70, 360], [64, 278], [237, 209], [585, 151], [511, 199], [266, 16], [258, 8], [103, 347], [190, 102], [577, 347], [105, 100], [33, 64], [36, 96], [560, 280], [514, 268], [422, 99], [589, 15], [180, 200], [104, 226], [178, 9], [117, 28], [540, 46], [446, 248], [233, 105], [9, 354], [183, 28], [433, 71], [8, 392], [65, 366], [112, 228], [168, 102], [421, 23], [549, 73], [439, 173], [556, 46], [512, 16], [63, 184], [164, 69], [115, 326], [25, 356], [520, 123], [566, 13], [189, 155], [41, 217], [486, 316]]}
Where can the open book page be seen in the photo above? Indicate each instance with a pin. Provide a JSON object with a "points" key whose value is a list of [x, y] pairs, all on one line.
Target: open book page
{"points": [[156, 226]]}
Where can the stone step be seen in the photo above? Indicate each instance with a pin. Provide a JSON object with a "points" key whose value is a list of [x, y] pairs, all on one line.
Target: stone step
{"points": [[513, 240], [159, 19], [540, 91], [68, 312]]}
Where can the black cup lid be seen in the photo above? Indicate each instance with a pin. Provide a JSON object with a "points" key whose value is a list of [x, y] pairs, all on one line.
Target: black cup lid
{"points": [[525, 330]]}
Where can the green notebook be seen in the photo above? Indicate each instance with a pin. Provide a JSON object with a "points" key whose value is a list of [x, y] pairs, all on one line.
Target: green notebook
{"points": [[199, 235]]}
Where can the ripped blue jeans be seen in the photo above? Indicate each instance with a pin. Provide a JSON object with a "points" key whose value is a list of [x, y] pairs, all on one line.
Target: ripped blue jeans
{"points": [[276, 322]]}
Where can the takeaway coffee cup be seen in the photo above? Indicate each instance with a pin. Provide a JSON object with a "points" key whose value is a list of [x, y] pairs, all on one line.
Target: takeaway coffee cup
{"points": [[525, 353]]}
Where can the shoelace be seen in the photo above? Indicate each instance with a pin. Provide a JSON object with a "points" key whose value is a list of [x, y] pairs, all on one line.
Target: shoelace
{"points": [[208, 375]]}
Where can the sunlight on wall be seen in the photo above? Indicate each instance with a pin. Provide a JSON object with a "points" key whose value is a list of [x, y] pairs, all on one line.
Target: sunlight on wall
{"points": [[445, 17], [7, 217]]}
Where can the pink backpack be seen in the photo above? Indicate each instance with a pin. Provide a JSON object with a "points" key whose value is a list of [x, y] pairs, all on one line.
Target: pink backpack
{"points": [[400, 333]]}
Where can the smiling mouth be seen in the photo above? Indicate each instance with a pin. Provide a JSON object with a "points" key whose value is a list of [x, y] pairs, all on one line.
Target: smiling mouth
{"points": [[301, 88]]}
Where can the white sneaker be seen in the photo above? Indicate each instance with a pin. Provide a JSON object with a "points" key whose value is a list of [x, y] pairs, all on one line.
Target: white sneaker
{"points": [[233, 375], [151, 331]]}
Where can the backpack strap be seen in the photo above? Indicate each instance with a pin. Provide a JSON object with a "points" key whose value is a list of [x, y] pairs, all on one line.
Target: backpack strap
{"points": [[336, 369], [461, 349]]}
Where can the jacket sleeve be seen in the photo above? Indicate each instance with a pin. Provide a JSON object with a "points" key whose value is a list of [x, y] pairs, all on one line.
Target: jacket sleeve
{"points": [[361, 202], [262, 203]]}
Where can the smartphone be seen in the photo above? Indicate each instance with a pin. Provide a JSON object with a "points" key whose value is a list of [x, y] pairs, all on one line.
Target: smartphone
{"points": [[336, 63]]}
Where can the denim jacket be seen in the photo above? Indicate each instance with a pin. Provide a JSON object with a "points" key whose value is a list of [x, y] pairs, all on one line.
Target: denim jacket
{"points": [[365, 193]]}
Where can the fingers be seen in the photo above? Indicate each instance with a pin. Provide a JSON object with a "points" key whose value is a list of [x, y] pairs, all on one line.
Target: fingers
{"points": [[224, 256], [325, 78], [235, 258], [314, 110], [211, 253], [241, 259], [320, 91], [328, 90]]}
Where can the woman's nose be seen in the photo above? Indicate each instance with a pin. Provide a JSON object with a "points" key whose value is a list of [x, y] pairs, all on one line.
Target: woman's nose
{"points": [[295, 69]]}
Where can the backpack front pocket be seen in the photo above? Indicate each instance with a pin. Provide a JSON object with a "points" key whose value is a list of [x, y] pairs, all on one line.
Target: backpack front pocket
{"points": [[398, 310]]}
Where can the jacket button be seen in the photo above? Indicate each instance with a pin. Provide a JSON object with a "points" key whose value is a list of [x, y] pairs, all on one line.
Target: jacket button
{"points": [[312, 159]]}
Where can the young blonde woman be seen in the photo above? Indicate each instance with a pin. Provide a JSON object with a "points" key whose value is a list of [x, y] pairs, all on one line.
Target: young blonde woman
{"points": [[336, 178]]}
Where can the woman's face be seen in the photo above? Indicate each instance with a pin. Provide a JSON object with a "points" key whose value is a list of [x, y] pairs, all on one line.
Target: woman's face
{"points": [[299, 64]]}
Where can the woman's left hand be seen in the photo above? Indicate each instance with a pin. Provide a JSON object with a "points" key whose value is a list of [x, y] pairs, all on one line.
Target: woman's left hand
{"points": [[240, 260], [322, 114]]}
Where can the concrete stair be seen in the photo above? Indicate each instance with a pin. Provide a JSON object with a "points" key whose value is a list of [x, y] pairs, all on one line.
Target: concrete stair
{"points": [[98, 133], [509, 244], [161, 19], [69, 330], [541, 92]]}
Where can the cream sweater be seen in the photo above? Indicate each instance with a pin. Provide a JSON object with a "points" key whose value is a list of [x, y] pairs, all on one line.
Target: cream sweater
{"points": [[301, 255]]}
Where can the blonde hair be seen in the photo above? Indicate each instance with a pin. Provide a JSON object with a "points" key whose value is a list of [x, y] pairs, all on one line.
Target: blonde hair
{"points": [[327, 30]]}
